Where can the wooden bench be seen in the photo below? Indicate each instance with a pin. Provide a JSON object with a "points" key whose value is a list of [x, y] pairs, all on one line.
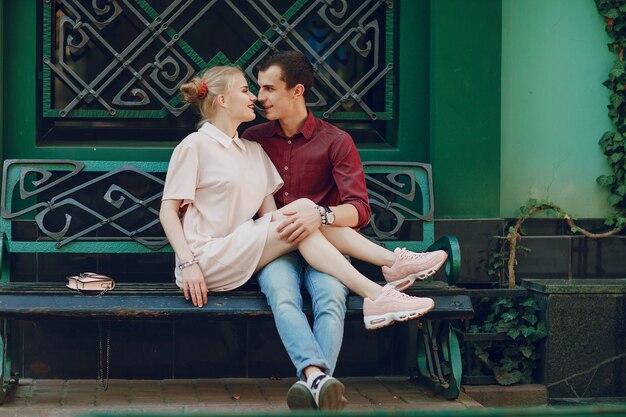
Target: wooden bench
{"points": [[67, 208]]}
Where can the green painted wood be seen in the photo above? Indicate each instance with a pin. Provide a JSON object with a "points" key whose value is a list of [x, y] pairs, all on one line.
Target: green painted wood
{"points": [[450, 244], [465, 107], [33, 302], [409, 133]]}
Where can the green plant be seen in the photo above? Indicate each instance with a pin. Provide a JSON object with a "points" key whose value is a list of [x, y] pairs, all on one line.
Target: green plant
{"points": [[514, 359], [497, 259], [613, 143]]}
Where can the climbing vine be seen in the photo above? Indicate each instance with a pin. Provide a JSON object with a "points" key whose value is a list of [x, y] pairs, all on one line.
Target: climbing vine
{"points": [[613, 144]]}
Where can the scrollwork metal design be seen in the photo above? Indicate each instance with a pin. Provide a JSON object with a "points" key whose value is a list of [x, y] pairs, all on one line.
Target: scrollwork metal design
{"points": [[54, 196], [348, 41], [397, 196]]}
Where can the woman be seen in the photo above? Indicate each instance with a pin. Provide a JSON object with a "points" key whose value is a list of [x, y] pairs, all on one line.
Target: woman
{"points": [[221, 182]]}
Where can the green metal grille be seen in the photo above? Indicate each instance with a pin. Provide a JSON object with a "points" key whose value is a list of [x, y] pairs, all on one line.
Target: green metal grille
{"points": [[126, 59]]}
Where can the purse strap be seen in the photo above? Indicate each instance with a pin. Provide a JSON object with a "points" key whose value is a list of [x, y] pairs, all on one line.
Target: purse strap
{"points": [[104, 358]]}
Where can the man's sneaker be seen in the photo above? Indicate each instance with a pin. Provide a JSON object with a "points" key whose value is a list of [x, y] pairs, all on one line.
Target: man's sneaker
{"points": [[391, 306], [410, 266], [300, 397], [327, 391]]}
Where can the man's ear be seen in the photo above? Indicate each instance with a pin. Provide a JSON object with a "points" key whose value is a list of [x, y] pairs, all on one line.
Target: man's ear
{"points": [[298, 90]]}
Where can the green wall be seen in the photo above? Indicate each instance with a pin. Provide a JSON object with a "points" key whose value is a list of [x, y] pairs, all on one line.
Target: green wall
{"points": [[465, 107], [554, 60]]}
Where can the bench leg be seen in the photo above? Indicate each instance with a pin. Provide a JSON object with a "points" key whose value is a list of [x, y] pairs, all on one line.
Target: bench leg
{"points": [[439, 357], [5, 370]]}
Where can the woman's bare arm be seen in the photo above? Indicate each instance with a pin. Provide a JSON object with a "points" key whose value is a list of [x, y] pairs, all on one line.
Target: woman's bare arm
{"points": [[194, 285]]}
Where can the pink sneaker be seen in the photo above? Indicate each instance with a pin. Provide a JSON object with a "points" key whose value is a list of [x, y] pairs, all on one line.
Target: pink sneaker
{"points": [[391, 306], [410, 266]]}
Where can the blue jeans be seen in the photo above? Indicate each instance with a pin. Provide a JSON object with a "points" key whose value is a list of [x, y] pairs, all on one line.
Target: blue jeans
{"points": [[281, 281]]}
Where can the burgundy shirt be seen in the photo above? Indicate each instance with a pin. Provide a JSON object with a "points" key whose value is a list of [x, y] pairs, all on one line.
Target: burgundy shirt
{"points": [[319, 162]]}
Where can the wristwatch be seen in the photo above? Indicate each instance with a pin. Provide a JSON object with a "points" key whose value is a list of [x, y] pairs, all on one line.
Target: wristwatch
{"points": [[330, 216]]}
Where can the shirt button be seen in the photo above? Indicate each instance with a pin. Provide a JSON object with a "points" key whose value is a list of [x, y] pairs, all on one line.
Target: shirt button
{"points": [[286, 193], [289, 142], [286, 167]]}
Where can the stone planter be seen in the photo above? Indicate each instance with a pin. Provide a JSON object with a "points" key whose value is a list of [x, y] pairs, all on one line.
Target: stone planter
{"points": [[585, 353]]}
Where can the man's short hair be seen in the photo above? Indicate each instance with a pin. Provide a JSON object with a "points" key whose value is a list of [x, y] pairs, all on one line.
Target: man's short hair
{"points": [[295, 66]]}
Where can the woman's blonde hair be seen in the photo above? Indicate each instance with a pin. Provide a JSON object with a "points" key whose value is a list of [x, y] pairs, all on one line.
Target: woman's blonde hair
{"points": [[218, 80]]}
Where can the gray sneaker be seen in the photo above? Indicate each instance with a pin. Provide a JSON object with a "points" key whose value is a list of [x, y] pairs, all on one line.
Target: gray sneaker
{"points": [[299, 397]]}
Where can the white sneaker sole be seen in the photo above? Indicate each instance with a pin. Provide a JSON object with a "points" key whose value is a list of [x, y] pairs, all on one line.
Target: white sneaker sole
{"points": [[383, 320], [404, 283]]}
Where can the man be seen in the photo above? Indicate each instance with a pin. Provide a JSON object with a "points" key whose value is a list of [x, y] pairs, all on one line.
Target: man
{"points": [[318, 161]]}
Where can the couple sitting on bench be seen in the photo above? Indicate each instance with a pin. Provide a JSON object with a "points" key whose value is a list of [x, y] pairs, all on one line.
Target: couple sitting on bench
{"points": [[228, 190]]}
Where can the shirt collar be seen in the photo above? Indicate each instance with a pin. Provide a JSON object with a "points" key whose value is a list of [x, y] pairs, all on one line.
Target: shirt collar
{"points": [[221, 137], [306, 130]]}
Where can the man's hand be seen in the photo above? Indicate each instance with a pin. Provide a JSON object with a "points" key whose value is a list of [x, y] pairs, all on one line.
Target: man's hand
{"points": [[194, 285], [299, 224]]}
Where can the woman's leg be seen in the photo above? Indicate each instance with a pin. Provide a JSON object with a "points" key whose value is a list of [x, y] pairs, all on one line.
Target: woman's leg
{"points": [[401, 274], [324, 257], [319, 253], [381, 307]]}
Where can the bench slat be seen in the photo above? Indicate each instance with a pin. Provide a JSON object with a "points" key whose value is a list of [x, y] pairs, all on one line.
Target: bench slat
{"points": [[25, 301]]}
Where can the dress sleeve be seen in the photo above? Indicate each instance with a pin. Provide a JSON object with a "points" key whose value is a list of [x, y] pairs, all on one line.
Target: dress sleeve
{"points": [[182, 175], [274, 180]]}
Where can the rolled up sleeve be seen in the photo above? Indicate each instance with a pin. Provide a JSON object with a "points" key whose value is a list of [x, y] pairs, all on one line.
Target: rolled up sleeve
{"points": [[350, 178]]}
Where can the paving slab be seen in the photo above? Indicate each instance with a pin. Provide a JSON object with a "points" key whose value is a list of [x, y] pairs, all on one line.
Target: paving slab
{"points": [[65, 398]]}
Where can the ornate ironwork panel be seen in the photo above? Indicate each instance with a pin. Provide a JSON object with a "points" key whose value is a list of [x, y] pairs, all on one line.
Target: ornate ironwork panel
{"points": [[118, 59], [401, 199], [68, 202]]}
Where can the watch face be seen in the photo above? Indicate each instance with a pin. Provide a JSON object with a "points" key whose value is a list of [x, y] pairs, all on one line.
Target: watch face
{"points": [[330, 217]]}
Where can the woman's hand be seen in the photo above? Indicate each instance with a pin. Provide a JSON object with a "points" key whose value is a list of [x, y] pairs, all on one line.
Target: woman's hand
{"points": [[194, 286]]}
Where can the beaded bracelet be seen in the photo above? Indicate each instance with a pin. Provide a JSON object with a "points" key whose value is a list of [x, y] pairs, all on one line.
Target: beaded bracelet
{"points": [[184, 265], [322, 212]]}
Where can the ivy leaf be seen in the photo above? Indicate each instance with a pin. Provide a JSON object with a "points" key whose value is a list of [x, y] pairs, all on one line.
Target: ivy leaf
{"points": [[617, 71], [530, 303], [507, 378], [616, 157], [615, 199], [513, 333], [606, 139], [616, 100], [606, 180], [527, 351], [528, 331], [541, 331], [531, 318], [484, 356]]}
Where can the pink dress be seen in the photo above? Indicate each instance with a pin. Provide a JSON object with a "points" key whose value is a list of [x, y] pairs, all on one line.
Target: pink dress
{"points": [[222, 183]]}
